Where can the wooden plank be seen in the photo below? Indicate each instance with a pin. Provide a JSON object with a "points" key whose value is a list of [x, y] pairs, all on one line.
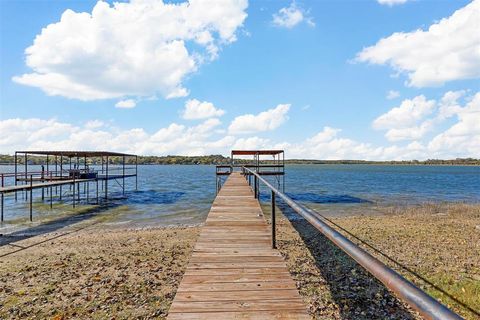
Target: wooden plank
{"points": [[244, 295], [27, 186], [233, 272], [198, 258], [237, 286], [239, 305], [214, 272], [224, 265], [254, 315], [241, 250], [237, 278]]}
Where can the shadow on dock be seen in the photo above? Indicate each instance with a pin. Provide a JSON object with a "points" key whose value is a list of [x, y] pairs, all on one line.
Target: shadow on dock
{"points": [[358, 294]]}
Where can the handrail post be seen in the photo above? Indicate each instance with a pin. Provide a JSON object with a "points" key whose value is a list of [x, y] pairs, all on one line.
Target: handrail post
{"points": [[274, 236], [255, 187]]}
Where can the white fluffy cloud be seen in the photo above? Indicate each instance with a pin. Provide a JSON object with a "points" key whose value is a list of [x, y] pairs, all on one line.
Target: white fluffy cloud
{"points": [[126, 104], [251, 143], [392, 94], [460, 139], [391, 2], [264, 121], [140, 48], [195, 109], [416, 117], [16, 134], [407, 114], [291, 16], [463, 138], [94, 124], [449, 104], [326, 144], [410, 133], [449, 50]]}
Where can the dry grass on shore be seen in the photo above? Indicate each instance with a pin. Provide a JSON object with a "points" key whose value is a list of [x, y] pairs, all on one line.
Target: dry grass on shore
{"points": [[94, 274], [440, 242]]}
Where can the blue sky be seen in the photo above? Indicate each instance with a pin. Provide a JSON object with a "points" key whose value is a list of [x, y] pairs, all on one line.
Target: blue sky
{"points": [[322, 79]]}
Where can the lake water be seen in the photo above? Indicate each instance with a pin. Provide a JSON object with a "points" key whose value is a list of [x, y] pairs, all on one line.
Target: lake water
{"points": [[174, 195]]}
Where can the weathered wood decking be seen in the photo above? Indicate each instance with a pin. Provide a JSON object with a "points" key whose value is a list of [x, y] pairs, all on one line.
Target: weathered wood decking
{"points": [[233, 272]]}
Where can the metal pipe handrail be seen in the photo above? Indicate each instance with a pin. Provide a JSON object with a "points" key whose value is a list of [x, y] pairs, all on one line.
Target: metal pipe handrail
{"points": [[418, 299]]}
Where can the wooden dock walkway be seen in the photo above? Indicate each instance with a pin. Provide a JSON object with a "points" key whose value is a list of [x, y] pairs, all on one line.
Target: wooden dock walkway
{"points": [[234, 273], [47, 182]]}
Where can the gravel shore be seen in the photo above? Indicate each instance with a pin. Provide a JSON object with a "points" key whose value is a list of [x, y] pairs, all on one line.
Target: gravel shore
{"points": [[94, 273]]}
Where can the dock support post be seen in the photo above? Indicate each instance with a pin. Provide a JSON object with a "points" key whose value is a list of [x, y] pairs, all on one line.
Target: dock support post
{"points": [[274, 235], [51, 176], [31, 196], [88, 190], [61, 175], [51, 197], [42, 177], [73, 195], [96, 180], [26, 177], [106, 179], [15, 175], [136, 173], [123, 176], [283, 175], [47, 174], [85, 185], [2, 197], [69, 172]]}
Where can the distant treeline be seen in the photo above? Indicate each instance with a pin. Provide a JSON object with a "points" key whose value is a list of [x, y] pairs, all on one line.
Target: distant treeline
{"points": [[219, 159], [458, 161]]}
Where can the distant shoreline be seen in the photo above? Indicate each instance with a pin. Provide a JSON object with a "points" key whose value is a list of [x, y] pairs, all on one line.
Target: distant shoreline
{"points": [[221, 160]]}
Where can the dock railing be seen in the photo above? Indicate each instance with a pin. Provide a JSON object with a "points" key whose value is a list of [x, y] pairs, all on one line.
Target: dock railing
{"points": [[419, 300]]}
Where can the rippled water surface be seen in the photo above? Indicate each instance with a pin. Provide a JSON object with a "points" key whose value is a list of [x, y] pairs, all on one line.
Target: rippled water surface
{"points": [[170, 195]]}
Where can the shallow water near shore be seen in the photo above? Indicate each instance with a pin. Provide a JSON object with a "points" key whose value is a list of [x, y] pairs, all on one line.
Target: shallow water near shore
{"points": [[170, 195]]}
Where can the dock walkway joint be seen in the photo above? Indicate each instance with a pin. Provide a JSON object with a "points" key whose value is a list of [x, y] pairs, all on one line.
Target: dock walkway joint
{"points": [[233, 272]]}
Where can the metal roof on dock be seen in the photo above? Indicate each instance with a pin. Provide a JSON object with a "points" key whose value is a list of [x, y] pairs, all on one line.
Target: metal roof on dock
{"points": [[255, 152], [76, 153]]}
